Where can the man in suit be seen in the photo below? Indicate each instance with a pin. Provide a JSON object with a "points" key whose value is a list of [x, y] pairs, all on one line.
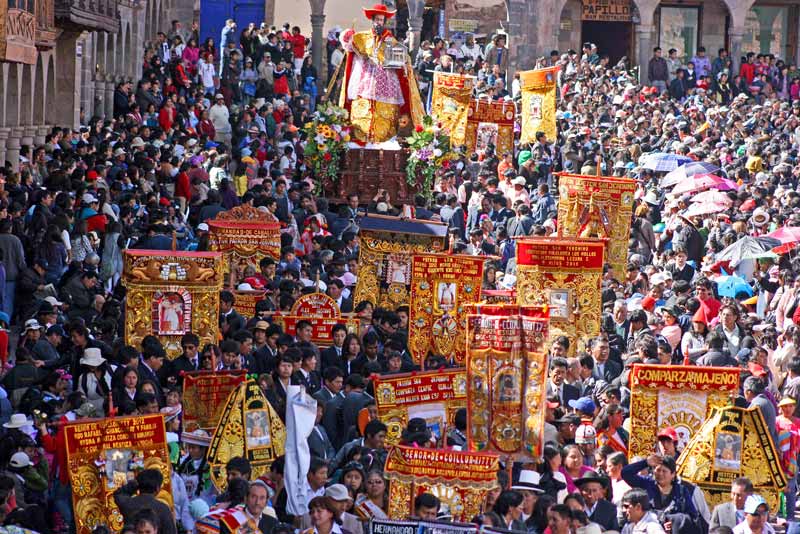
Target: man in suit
{"points": [[332, 419], [557, 388], [593, 487], [153, 356], [604, 369], [148, 482], [332, 356], [189, 360], [421, 210], [754, 394], [332, 381], [230, 321], [731, 513], [319, 444], [335, 288], [256, 509]]}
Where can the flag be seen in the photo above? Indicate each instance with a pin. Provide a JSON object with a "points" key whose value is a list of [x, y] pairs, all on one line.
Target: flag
{"points": [[538, 103], [450, 102], [301, 412]]}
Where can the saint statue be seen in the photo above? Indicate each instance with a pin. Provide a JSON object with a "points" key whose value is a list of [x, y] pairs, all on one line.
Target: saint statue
{"points": [[376, 90]]}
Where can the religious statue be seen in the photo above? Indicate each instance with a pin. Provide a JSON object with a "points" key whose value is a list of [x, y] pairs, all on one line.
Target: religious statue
{"points": [[594, 221], [379, 84]]}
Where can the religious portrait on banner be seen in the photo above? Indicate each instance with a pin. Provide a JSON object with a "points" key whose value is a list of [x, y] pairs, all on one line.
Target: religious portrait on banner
{"points": [[257, 429], [486, 135], [446, 296], [171, 313], [535, 107], [397, 269], [559, 303], [728, 451]]}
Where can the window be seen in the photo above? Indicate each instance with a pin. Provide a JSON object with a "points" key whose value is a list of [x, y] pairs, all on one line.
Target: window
{"points": [[679, 28], [766, 30]]}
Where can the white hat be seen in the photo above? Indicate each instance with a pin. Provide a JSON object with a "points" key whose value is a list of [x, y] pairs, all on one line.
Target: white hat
{"points": [[32, 324], [528, 480], [519, 180], [338, 492], [18, 420], [19, 459], [119, 152], [53, 301], [196, 437], [92, 357], [244, 286], [657, 278], [202, 227], [219, 97], [191, 142], [137, 142], [88, 198]]}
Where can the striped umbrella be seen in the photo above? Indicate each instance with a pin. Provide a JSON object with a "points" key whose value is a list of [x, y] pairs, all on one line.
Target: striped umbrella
{"points": [[687, 170]]}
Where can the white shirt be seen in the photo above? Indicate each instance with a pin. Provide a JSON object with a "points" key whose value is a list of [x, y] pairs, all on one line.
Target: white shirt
{"points": [[311, 493], [742, 528]]}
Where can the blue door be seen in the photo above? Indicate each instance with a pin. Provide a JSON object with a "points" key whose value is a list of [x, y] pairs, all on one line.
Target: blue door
{"points": [[214, 13]]}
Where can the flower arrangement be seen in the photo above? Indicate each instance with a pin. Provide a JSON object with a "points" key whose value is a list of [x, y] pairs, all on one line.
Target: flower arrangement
{"points": [[327, 136], [429, 147]]}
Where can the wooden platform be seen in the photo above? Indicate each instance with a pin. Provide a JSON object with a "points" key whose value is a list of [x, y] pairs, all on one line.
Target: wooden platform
{"points": [[367, 170]]}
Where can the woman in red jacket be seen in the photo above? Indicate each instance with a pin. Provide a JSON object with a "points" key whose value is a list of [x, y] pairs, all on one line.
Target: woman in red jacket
{"points": [[166, 117]]}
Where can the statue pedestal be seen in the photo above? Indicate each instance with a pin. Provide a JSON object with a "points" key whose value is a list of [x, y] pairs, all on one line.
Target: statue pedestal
{"points": [[366, 170]]}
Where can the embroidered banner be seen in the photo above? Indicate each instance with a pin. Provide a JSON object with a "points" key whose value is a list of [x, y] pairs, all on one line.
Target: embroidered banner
{"points": [[204, 396], [103, 455], [538, 104], [322, 312], [677, 396], [450, 102], [460, 479], [598, 207], [443, 286], [564, 274], [435, 396], [507, 365], [490, 122]]}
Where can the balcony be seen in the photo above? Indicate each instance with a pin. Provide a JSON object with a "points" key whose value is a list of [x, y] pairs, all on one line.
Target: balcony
{"points": [[87, 15], [18, 31], [46, 31]]}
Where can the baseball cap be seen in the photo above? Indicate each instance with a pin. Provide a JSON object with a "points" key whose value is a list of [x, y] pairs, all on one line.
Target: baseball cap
{"points": [[338, 492], [583, 404], [585, 434], [669, 433], [20, 459], [752, 504]]}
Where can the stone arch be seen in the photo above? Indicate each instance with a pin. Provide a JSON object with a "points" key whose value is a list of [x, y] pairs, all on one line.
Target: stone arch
{"points": [[40, 89], [12, 95]]}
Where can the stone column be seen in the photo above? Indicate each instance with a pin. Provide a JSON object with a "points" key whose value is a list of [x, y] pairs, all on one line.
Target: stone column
{"points": [[13, 146], [99, 97], [416, 8], [109, 103], [41, 133], [68, 81], [644, 36], [317, 40], [4, 133], [736, 35], [28, 133]]}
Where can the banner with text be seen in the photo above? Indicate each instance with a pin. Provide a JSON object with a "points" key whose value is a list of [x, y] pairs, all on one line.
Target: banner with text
{"points": [[677, 396], [204, 396], [435, 396], [490, 123], [538, 104]]}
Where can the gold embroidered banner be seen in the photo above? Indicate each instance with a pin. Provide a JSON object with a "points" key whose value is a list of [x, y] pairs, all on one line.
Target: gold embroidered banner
{"points": [[204, 397], [435, 396], [245, 235], [733, 442], [598, 207], [677, 396], [322, 312], [564, 274], [384, 259], [249, 427], [103, 455], [490, 122], [170, 294], [450, 102], [538, 104], [443, 286], [506, 376], [460, 479]]}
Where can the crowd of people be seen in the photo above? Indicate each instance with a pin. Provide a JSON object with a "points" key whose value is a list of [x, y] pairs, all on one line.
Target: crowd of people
{"points": [[212, 126]]}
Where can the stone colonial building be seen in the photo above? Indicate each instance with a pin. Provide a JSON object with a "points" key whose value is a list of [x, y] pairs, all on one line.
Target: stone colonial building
{"points": [[61, 60]]}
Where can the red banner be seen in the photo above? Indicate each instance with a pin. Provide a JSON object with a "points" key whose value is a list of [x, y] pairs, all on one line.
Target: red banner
{"points": [[560, 254], [443, 465], [685, 377], [204, 397]]}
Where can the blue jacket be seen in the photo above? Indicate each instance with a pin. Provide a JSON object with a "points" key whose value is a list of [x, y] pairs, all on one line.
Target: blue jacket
{"points": [[680, 500]]}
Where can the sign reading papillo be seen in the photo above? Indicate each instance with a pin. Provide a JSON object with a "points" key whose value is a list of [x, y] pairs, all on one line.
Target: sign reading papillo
{"points": [[561, 254], [607, 10]]}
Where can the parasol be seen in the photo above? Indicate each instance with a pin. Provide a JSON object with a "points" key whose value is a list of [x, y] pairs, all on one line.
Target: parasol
{"points": [[732, 285], [700, 182], [786, 234], [748, 247], [704, 208], [663, 162], [718, 197], [684, 171]]}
